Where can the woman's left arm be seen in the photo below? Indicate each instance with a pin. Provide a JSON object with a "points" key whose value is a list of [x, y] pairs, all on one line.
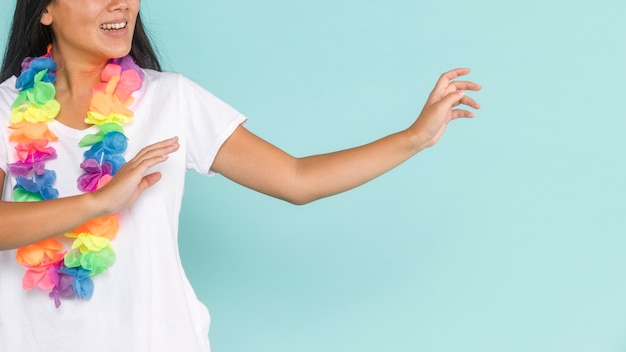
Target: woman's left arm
{"points": [[257, 164]]}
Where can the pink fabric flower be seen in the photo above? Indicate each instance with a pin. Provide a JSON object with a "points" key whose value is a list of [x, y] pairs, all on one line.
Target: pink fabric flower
{"points": [[36, 162], [41, 275]]}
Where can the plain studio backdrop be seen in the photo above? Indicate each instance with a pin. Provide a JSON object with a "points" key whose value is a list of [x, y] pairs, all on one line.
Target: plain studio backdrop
{"points": [[508, 235]]}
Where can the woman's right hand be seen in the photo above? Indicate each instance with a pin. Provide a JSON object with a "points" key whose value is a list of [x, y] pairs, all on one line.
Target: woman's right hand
{"points": [[131, 179], [23, 223]]}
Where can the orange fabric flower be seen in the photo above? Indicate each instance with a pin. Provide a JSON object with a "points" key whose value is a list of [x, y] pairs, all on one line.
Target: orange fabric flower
{"points": [[40, 252], [104, 226], [25, 132]]}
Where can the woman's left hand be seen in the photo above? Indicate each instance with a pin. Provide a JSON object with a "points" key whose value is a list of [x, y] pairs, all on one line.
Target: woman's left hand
{"points": [[441, 107]]}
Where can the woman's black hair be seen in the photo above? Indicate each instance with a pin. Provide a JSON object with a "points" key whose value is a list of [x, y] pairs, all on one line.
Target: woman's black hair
{"points": [[29, 38]]}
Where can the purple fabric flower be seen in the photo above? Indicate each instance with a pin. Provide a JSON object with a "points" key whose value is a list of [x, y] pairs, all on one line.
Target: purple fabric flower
{"points": [[35, 162], [89, 181], [26, 63], [63, 287], [127, 63]]}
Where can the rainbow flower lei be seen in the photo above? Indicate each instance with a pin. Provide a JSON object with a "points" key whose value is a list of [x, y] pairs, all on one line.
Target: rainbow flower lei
{"points": [[67, 273]]}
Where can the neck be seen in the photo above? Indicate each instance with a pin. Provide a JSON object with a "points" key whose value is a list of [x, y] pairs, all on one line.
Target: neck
{"points": [[76, 78]]}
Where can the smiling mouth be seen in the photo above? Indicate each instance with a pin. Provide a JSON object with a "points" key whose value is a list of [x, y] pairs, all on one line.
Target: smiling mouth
{"points": [[113, 26]]}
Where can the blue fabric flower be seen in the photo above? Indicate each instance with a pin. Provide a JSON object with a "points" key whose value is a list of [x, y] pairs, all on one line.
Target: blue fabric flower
{"points": [[42, 184], [26, 80], [82, 284], [110, 150]]}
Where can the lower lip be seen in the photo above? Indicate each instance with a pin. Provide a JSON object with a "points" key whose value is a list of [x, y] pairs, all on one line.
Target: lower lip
{"points": [[115, 32]]}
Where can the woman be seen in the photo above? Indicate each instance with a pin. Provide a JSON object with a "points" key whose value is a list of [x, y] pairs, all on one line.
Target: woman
{"points": [[95, 236]]}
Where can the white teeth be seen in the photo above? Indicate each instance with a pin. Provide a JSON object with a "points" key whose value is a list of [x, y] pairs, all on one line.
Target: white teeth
{"points": [[113, 26]]}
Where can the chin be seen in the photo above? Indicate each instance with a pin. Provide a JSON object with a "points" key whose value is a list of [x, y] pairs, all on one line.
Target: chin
{"points": [[116, 54], [120, 55]]}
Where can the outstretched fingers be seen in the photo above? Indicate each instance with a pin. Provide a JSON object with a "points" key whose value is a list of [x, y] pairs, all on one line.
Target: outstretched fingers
{"points": [[148, 157], [457, 98], [155, 153], [132, 178], [456, 113], [463, 85], [445, 86], [454, 73], [444, 80], [466, 100]]}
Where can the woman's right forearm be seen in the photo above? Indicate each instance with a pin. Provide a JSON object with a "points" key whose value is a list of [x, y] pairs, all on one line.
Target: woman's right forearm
{"points": [[24, 223]]}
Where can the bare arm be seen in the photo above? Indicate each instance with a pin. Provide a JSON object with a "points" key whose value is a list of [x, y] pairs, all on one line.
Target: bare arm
{"points": [[254, 163], [25, 223]]}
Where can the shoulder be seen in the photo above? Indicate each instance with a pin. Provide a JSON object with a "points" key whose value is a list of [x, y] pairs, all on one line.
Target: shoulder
{"points": [[153, 77], [156, 79], [174, 84]]}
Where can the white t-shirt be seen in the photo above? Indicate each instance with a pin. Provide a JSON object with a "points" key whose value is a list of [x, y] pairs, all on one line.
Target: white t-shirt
{"points": [[144, 302]]}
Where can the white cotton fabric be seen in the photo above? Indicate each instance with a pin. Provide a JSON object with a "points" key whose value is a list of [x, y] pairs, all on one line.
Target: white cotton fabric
{"points": [[144, 302]]}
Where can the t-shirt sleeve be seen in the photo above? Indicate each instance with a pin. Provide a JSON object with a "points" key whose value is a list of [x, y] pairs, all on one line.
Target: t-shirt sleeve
{"points": [[209, 122], [4, 155], [7, 96]]}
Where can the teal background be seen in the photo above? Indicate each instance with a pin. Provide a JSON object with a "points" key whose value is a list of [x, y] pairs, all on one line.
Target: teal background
{"points": [[508, 235]]}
